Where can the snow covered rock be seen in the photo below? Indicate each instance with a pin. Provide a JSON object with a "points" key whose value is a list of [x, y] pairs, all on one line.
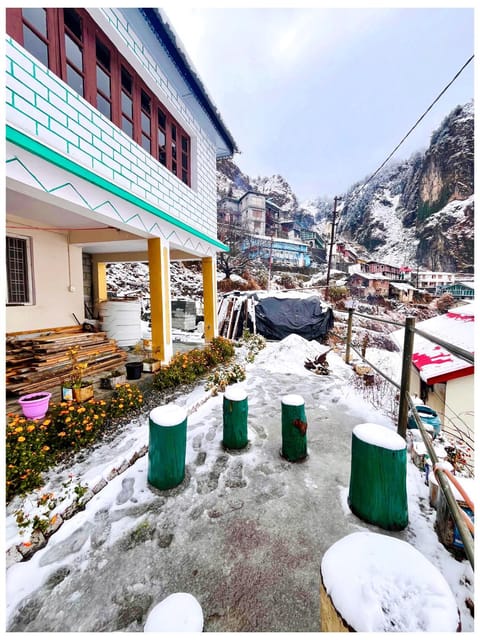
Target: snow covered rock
{"points": [[179, 612], [379, 583]]}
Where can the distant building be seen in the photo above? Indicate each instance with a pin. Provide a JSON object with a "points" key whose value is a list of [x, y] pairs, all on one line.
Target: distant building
{"points": [[252, 212], [281, 251], [460, 290], [362, 285], [372, 266], [433, 281], [401, 291]]}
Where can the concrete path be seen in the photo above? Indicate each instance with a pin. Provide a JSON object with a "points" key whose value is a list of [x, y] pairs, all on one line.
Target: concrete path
{"points": [[244, 533]]}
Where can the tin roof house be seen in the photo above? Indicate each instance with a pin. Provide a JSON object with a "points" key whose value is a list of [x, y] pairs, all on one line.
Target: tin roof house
{"points": [[111, 149], [442, 380]]}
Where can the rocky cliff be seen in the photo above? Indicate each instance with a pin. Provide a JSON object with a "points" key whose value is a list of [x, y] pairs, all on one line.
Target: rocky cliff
{"points": [[421, 211]]}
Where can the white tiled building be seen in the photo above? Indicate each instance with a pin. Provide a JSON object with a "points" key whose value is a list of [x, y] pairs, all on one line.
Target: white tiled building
{"points": [[111, 148]]}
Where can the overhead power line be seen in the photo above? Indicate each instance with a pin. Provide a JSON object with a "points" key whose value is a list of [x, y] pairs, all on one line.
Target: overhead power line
{"points": [[419, 120]]}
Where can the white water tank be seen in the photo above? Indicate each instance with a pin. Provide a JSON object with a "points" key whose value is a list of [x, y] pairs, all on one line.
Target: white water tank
{"points": [[122, 321]]}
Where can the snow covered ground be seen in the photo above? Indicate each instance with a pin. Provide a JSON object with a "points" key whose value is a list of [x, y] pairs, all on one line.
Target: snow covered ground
{"points": [[244, 533]]}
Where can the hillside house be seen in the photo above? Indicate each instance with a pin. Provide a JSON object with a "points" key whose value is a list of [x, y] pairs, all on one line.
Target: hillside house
{"points": [[111, 149], [280, 251], [273, 215], [372, 266], [460, 290], [442, 380], [362, 285], [433, 281], [401, 291]]}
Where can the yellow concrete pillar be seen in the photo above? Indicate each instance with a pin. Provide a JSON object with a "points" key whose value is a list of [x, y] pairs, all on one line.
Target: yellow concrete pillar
{"points": [[209, 272], [160, 304], [99, 283]]}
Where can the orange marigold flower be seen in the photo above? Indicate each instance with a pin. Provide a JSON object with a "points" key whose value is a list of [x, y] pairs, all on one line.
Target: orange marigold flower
{"points": [[19, 430], [45, 448], [46, 423], [72, 408], [30, 428], [21, 439], [62, 434], [68, 419]]}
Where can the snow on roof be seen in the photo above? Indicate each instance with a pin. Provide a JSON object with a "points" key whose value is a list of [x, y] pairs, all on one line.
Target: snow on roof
{"points": [[402, 286], [435, 363], [370, 276], [380, 583]]}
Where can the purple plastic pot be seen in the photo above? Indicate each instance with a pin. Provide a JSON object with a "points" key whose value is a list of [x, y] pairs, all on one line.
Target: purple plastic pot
{"points": [[35, 405]]}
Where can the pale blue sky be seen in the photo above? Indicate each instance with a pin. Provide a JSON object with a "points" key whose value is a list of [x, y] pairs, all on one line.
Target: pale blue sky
{"points": [[322, 96]]}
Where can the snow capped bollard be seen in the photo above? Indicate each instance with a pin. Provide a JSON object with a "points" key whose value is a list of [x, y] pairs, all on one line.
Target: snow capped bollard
{"points": [[235, 414], [167, 446], [378, 476], [294, 428], [179, 612], [372, 582]]}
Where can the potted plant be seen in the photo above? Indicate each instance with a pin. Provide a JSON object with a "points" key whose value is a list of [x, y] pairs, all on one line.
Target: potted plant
{"points": [[151, 359], [112, 379], [35, 405], [75, 387]]}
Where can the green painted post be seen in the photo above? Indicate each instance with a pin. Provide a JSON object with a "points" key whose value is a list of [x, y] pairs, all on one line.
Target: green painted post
{"points": [[235, 414], [378, 478], [167, 446], [294, 428]]}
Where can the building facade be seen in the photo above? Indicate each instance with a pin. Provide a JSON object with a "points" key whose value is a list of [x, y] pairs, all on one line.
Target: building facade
{"points": [[111, 149], [433, 281]]}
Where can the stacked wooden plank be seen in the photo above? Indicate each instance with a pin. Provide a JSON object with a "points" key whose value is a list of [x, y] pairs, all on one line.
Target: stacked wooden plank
{"points": [[232, 314], [40, 360]]}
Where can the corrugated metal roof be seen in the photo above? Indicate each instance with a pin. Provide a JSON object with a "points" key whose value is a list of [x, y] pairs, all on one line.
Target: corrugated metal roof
{"points": [[434, 362]]}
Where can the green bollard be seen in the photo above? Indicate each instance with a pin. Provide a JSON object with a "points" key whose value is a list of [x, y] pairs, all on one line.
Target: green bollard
{"points": [[167, 446], [294, 428], [235, 414], [378, 478]]}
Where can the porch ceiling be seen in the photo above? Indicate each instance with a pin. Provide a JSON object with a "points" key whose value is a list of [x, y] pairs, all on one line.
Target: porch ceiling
{"points": [[93, 235]]}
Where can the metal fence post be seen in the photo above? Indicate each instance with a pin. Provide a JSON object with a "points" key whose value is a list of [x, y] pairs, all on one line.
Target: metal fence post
{"points": [[405, 382], [349, 335]]}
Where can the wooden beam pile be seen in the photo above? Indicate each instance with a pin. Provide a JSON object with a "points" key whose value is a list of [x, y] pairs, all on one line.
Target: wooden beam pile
{"points": [[39, 360], [232, 315]]}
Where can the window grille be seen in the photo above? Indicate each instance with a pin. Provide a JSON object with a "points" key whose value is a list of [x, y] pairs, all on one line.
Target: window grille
{"points": [[18, 271]]}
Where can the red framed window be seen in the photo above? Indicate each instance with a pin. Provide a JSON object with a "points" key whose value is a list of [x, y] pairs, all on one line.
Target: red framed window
{"points": [[69, 43], [73, 46]]}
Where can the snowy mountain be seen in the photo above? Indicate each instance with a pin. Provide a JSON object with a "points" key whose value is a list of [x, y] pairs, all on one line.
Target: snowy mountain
{"points": [[420, 211], [416, 212]]}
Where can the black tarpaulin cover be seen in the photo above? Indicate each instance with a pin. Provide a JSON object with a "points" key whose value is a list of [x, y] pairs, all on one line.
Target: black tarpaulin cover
{"points": [[277, 318]]}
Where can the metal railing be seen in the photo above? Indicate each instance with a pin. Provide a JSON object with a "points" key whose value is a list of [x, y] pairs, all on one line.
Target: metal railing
{"points": [[406, 404]]}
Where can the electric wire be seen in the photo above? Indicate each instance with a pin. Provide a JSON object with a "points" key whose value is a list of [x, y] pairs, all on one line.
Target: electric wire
{"points": [[415, 125]]}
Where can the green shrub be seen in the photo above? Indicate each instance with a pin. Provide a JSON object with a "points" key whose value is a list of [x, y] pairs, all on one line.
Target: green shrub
{"points": [[126, 398], [185, 368], [223, 376]]}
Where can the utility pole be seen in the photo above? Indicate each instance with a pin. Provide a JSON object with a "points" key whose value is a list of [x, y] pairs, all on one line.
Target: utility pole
{"points": [[332, 237]]}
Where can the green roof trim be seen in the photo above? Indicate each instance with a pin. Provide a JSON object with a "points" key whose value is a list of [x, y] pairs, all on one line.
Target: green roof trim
{"points": [[52, 156]]}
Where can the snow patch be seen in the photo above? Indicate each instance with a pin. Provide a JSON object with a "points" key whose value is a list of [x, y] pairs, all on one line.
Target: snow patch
{"points": [[178, 612], [380, 583], [379, 436]]}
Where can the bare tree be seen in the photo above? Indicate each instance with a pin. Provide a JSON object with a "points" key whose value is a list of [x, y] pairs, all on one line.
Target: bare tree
{"points": [[242, 249]]}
